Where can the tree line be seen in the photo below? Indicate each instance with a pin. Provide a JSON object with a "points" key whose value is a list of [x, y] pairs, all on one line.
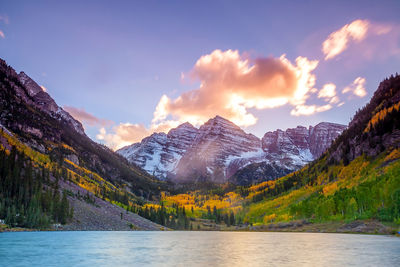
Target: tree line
{"points": [[28, 196]]}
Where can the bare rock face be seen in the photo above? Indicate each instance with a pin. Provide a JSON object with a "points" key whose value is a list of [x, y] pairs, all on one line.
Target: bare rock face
{"points": [[306, 143], [45, 103], [322, 135], [220, 151]]}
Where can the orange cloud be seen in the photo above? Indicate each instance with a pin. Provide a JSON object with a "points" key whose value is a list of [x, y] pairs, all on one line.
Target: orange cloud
{"points": [[85, 117], [123, 135], [357, 87], [339, 40], [126, 133], [2, 34], [231, 84]]}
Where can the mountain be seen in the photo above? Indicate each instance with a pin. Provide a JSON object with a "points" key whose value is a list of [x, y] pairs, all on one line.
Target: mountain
{"points": [[219, 150], [45, 141], [217, 143], [159, 153], [286, 151]]}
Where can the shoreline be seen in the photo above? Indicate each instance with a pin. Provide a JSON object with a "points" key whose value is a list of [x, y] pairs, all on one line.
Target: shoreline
{"points": [[369, 227]]}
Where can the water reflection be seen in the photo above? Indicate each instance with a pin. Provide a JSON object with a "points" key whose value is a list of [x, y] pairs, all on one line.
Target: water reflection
{"points": [[196, 249]]}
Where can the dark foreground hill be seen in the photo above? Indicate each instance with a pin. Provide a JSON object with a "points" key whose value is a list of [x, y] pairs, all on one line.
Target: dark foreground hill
{"points": [[51, 172]]}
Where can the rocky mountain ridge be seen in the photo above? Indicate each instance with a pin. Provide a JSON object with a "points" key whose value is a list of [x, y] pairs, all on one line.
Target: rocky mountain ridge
{"points": [[219, 149]]}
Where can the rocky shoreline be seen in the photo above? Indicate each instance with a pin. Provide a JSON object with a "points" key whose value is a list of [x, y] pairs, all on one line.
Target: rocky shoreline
{"points": [[354, 227], [141, 224]]}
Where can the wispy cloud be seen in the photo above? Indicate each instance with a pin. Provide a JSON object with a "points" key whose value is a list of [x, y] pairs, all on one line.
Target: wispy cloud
{"points": [[339, 40], [86, 118], [369, 40], [123, 135], [357, 87], [305, 110], [2, 34]]}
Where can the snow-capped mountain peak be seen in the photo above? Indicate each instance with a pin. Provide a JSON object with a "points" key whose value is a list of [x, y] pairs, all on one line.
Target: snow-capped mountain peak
{"points": [[219, 149]]}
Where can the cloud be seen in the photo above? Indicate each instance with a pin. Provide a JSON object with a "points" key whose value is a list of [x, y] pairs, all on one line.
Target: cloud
{"points": [[338, 41], [231, 84], [357, 87], [123, 135], [127, 133], [2, 34], [334, 100], [85, 117], [305, 110], [327, 91], [374, 41]]}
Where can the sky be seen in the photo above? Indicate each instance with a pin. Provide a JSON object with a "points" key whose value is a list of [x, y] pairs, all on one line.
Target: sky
{"points": [[126, 69]]}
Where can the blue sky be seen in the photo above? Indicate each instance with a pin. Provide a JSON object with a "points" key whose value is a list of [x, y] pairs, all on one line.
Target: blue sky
{"points": [[116, 59]]}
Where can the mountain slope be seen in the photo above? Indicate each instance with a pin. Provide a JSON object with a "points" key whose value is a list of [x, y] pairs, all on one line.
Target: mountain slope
{"points": [[357, 178], [38, 121], [53, 142]]}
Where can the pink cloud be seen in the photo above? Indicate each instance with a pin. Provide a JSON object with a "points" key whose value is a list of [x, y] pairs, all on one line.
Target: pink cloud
{"points": [[357, 87], [339, 40], [85, 117], [123, 135], [365, 39]]}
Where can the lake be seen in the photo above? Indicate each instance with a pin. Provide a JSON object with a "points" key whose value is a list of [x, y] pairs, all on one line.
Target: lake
{"points": [[196, 249]]}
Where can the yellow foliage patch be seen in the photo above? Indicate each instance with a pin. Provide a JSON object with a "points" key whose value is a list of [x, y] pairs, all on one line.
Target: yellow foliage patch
{"points": [[380, 116], [330, 189]]}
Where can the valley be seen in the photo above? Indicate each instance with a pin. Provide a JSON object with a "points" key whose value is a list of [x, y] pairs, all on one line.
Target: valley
{"points": [[326, 177]]}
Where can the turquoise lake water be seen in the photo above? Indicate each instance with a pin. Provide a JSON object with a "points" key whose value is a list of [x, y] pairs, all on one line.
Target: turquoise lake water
{"points": [[196, 249]]}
